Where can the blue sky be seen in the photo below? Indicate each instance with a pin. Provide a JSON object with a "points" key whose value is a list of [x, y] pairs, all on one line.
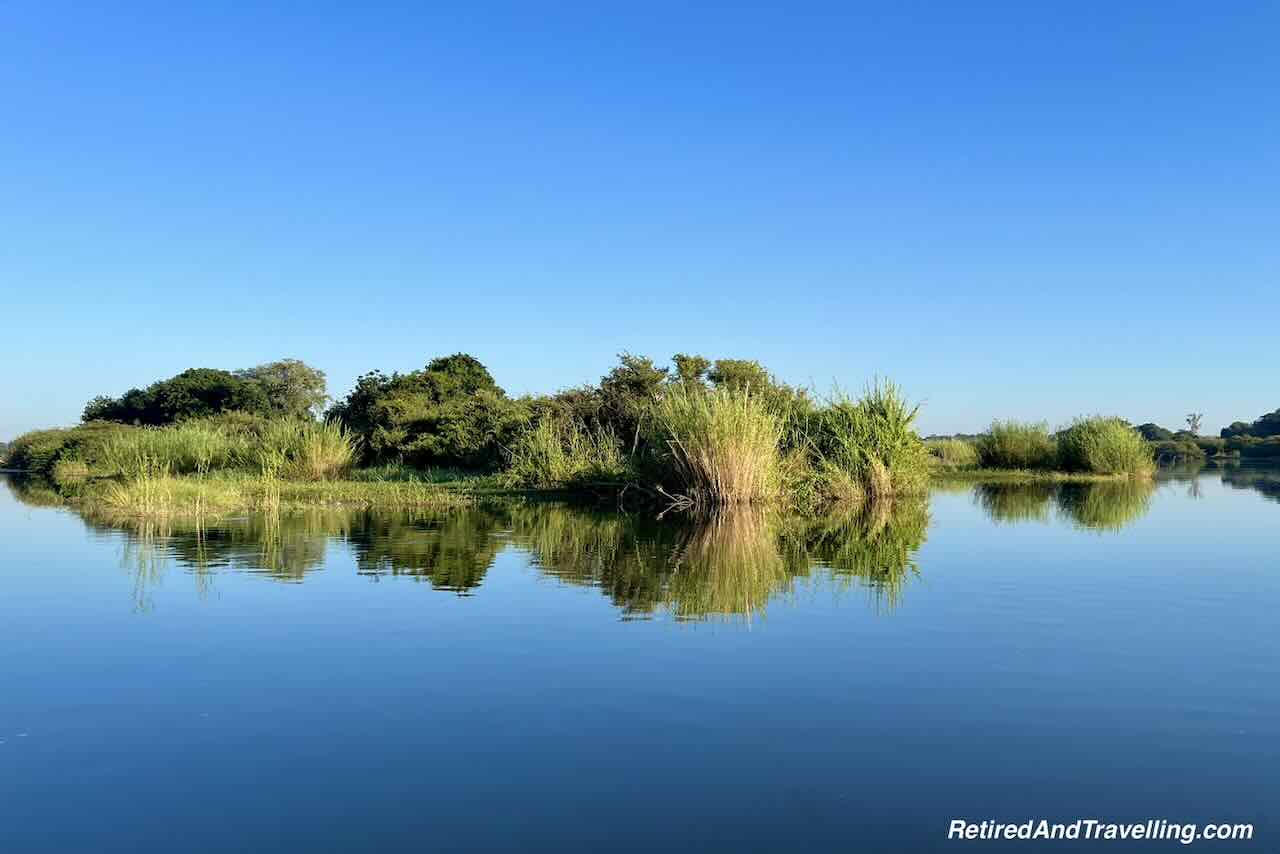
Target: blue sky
{"points": [[1012, 209]]}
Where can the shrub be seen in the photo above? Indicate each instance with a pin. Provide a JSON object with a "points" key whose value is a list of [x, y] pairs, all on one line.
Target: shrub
{"points": [[1101, 445], [1017, 445], [718, 446]]}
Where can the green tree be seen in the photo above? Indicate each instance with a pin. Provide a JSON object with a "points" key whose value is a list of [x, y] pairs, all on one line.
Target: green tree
{"points": [[691, 369], [291, 387]]}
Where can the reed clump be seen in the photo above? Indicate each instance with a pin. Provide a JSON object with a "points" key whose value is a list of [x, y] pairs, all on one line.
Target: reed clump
{"points": [[308, 450], [1103, 445], [717, 446], [954, 453], [1018, 445], [561, 452], [868, 449]]}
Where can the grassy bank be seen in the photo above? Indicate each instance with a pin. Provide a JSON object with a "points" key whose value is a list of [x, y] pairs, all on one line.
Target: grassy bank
{"points": [[710, 435]]}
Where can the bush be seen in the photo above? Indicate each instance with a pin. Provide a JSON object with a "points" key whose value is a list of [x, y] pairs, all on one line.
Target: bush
{"points": [[717, 446], [1101, 445], [1017, 445]]}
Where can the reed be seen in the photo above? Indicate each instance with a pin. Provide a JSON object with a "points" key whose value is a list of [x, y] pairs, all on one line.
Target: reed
{"points": [[718, 446], [560, 452], [1103, 445], [869, 448], [953, 453], [1018, 445]]}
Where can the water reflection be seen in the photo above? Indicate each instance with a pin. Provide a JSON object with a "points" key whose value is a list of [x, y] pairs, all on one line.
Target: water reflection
{"points": [[450, 552], [1105, 506], [727, 565]]}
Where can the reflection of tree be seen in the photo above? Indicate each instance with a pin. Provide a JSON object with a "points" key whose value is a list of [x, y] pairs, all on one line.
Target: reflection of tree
{"points": [[1264, 481], [450, 551], [32, 491]]}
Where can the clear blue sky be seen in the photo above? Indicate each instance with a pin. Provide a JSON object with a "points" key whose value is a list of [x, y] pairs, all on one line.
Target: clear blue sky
{"points": [[1013, 209]]}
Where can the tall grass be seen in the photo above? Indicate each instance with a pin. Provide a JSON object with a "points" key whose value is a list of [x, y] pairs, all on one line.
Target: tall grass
{"points": [[1105, 446], [718, 446], [1018, 445], [308, 450], [869, 448], [559, 452], [954, 453], [190, 447]]}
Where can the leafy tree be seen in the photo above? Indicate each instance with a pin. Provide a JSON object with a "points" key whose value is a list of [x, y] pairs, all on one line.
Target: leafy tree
{"points": [[740, 374], [450, 413], [1154, 432], [193, 393], [691, 369], [1265, 426], [291, 387]]}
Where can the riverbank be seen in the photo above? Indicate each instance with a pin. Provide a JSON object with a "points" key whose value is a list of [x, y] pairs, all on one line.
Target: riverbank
{"points": [[996, 475]]}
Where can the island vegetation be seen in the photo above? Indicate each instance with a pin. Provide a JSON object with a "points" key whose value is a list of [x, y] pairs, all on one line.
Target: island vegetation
{"points": [[695, 433]]}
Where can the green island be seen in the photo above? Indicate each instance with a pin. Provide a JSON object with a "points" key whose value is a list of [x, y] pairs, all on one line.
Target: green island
{"points": [[698, 434]]}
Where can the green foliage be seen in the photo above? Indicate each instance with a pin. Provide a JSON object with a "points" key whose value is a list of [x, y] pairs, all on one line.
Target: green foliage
{"points": [[718, 446], [1264, 427], [451, 413], [291, 387], [1104, 446], [954, 453], [559, 452], [1018, 445], [1177, 450], [690, 369], [191, 394], [869, 448], [308, 450], [1154, 432]]}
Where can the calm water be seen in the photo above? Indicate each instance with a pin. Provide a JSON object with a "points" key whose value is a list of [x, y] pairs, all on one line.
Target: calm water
{"points": [[535, 677]]}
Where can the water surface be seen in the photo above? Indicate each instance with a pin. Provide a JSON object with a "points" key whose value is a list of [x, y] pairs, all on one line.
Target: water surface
{"points": [[533, 676]]}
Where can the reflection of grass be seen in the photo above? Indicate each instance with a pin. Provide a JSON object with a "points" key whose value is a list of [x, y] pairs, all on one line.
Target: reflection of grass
{"points": [[161, 494], [729, 564], [1016, 502], [874, 544], [1105, 506], [34, 492]]}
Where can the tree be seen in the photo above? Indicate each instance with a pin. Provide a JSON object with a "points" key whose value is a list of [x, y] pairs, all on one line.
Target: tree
{"points": [[193, 393], [740, 374], [1193, 422], [1154, 432], [450, 413], [291, 387], [691, 369]]}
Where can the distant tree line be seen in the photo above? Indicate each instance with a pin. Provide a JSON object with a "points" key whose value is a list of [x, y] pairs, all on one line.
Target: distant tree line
{"points": [[288, 387], [1263, 428]]}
